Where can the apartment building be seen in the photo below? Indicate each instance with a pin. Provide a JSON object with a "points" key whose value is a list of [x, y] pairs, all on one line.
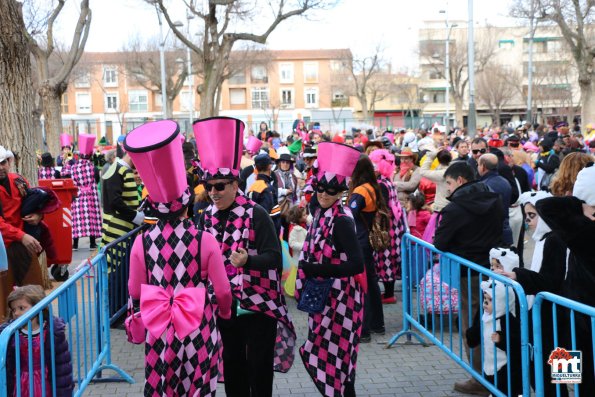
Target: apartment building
{"points": [[106, 98], [501, 89]]}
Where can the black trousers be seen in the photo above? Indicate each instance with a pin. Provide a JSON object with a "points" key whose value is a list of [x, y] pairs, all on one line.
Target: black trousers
{"points": [[248, 352], [373, 313]]}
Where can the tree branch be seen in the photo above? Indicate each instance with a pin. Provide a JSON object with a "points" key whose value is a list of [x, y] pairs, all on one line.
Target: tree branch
{"points": [[77, 46], [176, 31]]}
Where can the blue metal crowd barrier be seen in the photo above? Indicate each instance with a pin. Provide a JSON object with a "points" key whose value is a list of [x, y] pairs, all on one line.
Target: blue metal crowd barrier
{"points": [[569, 320], [118, 265], [426, 271], [82, 303]]}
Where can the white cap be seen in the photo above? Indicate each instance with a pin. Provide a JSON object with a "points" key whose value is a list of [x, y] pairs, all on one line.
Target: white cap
{"points": [[584, 187], [507, 258], [5, 154]]}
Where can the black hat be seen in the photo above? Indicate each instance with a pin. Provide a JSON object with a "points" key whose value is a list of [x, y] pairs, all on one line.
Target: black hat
{"points": [[514, 138], [310, 152], [47, 160], [285, 157]]}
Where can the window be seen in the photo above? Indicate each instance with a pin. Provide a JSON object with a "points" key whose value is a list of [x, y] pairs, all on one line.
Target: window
{"points": [[111, 101], [83, 80], [339, 99], [259, 74], [237, 96], [311, 96], [260, 98], [64, 103], [506, 44], [438, 97], [238, 78], [310, 72], [186, 102], [286, 73], [287, 97], [339, 66], [434, 75], [83, 102], [110, 76], [138, 100]]}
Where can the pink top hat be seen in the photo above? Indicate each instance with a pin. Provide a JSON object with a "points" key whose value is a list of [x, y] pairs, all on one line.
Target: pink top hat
{"points": [[336, 163], [86, 143], [219, 141], [530, 147], [253, 145], [156, 151], [65, 140]]}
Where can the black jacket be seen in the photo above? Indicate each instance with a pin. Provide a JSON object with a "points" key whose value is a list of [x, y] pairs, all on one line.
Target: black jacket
{"points": [[471, 223]]}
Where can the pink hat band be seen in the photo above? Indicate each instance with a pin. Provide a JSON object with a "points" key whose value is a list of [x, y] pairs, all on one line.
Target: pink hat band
{"points": [[86, 144], [156, 151], [219, 141]]}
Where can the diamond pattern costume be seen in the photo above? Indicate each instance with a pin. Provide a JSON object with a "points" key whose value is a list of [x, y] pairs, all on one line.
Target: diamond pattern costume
{"points": [[257, 291], [176, 366], [330, 352], [388, 262], [46, 173], [86, 214]]}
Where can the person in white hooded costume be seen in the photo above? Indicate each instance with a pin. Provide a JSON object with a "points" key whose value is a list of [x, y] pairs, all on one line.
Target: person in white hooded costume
{"points": [[501, 343], [545, 273]]}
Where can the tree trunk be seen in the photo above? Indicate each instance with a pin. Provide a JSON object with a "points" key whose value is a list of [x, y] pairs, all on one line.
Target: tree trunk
{"points": [[364, 102], [497, 116], [52, 116], [170, 108], [459, 110], [587, 102], [19, 131]]}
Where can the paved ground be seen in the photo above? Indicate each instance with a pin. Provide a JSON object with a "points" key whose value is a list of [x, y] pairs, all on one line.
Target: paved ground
{"points": [[403, 370]]}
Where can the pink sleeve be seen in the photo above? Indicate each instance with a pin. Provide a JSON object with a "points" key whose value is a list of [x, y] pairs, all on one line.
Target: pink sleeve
{"points": [[212, 258], [138, 268]]}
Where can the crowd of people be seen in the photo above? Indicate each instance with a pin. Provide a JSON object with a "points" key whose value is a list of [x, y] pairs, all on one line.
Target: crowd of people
{"points": [[223, 199]]}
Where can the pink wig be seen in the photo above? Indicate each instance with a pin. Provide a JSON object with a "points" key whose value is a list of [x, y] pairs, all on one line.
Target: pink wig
{"points": [[384, 162]]}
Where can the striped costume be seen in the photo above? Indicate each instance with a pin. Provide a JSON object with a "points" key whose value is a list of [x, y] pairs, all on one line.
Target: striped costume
{"points": [[86, 214], [120, 200]]}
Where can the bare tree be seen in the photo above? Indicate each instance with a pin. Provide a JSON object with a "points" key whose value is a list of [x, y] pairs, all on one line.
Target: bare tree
{"points": [[405, 92], [218, 38], [341, 86], [42, 43], [574, 18], [498, 86], [143, 66], [18, 127], [458, 73], [367, 87]]}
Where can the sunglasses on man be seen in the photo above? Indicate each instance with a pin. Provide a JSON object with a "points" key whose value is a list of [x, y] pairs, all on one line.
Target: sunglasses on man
{"points": [[513, 144], [219, 186], [482, 151], [326, 189]]}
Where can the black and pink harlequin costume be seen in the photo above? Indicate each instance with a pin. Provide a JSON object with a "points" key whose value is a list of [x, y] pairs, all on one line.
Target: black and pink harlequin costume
{"points": [[330, 351], [260, 336], [172, 266]]}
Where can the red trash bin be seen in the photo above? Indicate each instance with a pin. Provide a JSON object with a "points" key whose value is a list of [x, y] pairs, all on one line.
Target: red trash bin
{"points": [[60, 222]]}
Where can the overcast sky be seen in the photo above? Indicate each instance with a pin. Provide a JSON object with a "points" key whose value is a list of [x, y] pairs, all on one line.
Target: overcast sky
{"points": [[356, 24]]}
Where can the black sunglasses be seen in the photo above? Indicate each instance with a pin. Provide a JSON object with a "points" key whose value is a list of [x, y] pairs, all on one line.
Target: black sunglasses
{"points": [[329, 190], [482, 151], [219, 186], [513, 144]]}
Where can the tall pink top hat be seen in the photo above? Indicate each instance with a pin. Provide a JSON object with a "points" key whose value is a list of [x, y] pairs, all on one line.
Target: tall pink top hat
{"points": [[253, 145], [336, 163], [156, 151], [219, 141], [65, 140], [86, 144]]}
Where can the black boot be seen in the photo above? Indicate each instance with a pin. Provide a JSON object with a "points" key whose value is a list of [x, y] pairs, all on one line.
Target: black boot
{"points": [[92, 243], [75, 244]]}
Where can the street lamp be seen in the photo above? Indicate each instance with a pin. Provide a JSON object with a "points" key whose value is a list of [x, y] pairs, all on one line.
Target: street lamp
{"points": [[447, 65], [162, 60], [471, 121], [189, 66]]}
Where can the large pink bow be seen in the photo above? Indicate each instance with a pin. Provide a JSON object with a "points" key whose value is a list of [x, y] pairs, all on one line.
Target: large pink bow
{"points": [[183, 309]]}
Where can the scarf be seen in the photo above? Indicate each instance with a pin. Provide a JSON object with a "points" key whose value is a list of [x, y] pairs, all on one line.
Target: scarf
{"points": [[319, 246], [406, 168]]}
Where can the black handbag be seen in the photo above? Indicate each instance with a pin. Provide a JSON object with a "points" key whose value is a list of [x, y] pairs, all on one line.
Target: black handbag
{"points": [[315, 295]]}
